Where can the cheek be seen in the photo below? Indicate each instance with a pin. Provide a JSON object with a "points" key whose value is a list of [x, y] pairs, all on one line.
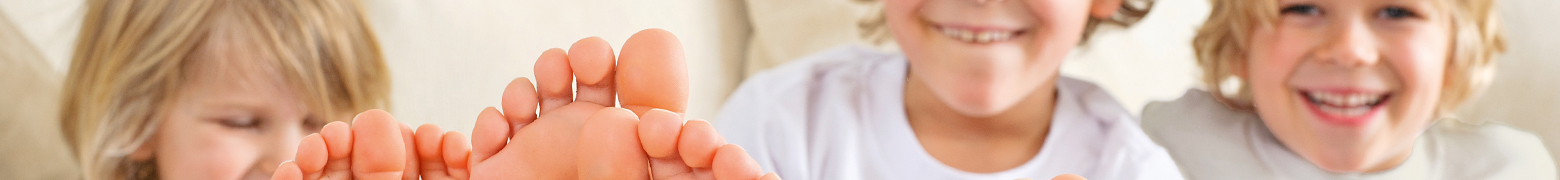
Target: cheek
{"points": [[192, 152], [1273, 58], [903, 23], [1419, 61]]}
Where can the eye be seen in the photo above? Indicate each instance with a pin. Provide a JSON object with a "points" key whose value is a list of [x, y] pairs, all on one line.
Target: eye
{"points": [[1301, 9], [240, 123], [1396, 13], [312, 125]]}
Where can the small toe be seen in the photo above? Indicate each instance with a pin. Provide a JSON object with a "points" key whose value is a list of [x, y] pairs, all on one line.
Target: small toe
{"points": [[698, 142], [287, 171], [658, 131], [732, 162], [592, 61]]}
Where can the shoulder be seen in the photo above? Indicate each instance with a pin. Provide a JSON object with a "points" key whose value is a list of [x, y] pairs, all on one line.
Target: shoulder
{"points": [[774, 113], [1126, 152], [1196, 109], [1490, 149], [1203, 136]]}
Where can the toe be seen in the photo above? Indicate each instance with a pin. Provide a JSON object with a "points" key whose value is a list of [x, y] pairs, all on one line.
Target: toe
{"points": [[652, 73], [287, 171], [429, 139], [770, 176], [1068, 177], [430, 154], [519, 101], [411, 168], [613, 150], [554, 79], [592, 62], [489, 136], [338, 141], [456, 153], [338, 137], [698, 142], [732, 162], [658, 131], [312, 154], [379, 149]]}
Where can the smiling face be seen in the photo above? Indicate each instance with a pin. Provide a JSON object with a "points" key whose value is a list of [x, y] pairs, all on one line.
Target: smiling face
{"points": [[983, 56], [1349, 84]]}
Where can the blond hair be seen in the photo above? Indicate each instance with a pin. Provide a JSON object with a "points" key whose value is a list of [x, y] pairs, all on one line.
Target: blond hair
{"points": [[132, 56], [874, 26], [1224, 39]]}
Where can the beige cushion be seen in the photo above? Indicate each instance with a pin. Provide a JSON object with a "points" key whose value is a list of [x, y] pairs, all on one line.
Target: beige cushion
{"points": [[30, 136]]}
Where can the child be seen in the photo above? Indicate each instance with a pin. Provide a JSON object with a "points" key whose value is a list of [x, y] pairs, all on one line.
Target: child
{"points": [[976, 94], [213, 89], [1343, 89]]}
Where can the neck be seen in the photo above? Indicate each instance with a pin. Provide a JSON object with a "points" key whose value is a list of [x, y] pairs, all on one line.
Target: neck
{"points": [[980, 144]]}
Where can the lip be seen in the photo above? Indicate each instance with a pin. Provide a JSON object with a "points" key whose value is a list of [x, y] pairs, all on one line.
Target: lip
{"points": [[1345, 120], [998, 34]]}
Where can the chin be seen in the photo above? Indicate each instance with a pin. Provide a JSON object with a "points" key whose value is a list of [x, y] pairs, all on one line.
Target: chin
{"points": [[978, 104], [1341, 165]]}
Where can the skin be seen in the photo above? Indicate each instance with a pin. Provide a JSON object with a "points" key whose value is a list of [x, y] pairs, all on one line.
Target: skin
{"points": [[1370, 45], [235, 117], [986, 107], [646, 139]]}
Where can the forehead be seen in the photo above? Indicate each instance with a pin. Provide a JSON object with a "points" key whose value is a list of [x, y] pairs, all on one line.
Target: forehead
{"points": [[231, 66]]}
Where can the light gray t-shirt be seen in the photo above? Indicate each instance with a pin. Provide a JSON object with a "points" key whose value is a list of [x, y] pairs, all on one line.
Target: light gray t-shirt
{"points": [[840, 115], [1210, 141]]}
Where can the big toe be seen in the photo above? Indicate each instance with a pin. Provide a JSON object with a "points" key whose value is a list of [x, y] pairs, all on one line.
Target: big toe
{"points": [[379, 150], [652, 73], [610, 148]]}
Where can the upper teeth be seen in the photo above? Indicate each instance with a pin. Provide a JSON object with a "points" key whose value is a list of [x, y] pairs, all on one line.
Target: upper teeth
{"points": [[1344, 100], [977, 37]]}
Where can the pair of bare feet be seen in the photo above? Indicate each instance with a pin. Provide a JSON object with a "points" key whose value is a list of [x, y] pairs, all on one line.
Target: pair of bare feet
{"points": [[577, 135]]}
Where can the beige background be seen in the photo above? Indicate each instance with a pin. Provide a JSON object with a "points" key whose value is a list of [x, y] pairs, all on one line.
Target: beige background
{"points": [[451, 58]]}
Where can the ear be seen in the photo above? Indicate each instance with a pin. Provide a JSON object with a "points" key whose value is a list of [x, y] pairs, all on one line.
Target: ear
{"points": [[144, 153], [1238, 67], [1104, 9]]}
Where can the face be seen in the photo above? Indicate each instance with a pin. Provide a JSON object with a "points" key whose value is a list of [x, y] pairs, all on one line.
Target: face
{"points": [[983, 56], [1349, 84], [234, 118]]}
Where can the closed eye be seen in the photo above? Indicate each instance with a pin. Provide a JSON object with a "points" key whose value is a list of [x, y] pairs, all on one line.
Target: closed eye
{"points": [[1301, 9], [240, 123]]}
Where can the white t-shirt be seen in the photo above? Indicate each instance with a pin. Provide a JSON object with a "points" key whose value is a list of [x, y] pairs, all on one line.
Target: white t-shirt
{"points": [[1211, 141], [840, 115]]}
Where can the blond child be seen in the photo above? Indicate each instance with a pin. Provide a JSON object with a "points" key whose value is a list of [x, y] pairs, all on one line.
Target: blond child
{"points": [[975, 94], [1343, 89], [213, 89]]}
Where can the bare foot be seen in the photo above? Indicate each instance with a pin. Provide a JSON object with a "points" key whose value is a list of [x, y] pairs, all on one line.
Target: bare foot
{"points": [[578, 135], [373, 147]]}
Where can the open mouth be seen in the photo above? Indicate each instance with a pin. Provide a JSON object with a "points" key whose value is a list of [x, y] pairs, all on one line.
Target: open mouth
{"points": [[978, 36], [1349, 108]]}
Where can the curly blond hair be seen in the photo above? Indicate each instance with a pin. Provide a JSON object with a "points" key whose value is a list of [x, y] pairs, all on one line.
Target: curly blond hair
{"points": [[1222, 44]]}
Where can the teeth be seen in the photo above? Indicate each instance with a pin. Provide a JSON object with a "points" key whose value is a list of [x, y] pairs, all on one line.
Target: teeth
{"points": [[976, 37], [1344, 104]]}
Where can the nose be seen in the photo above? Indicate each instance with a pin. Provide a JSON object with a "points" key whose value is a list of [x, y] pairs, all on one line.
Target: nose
{"points": [[283, 147], [1350, 44]]}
